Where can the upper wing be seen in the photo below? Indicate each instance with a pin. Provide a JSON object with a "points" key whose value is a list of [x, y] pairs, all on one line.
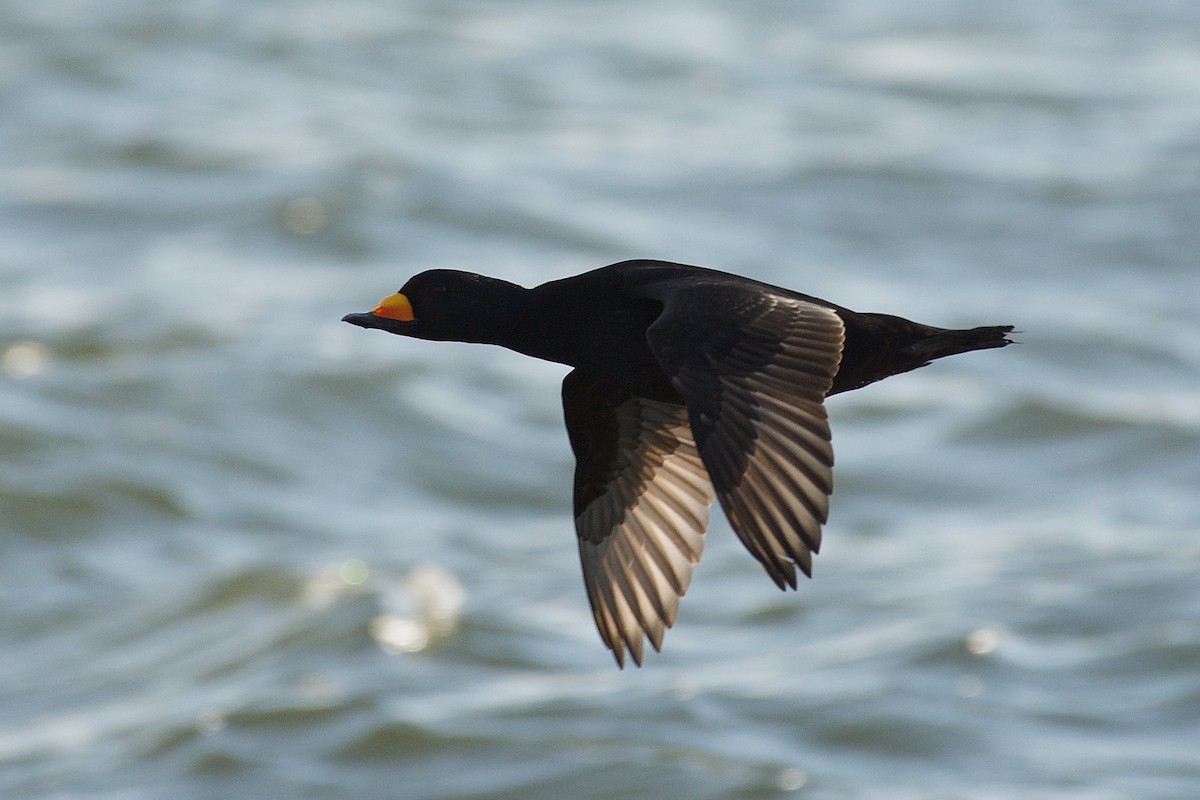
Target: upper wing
{"points": [[642, 499], [754, 368]]}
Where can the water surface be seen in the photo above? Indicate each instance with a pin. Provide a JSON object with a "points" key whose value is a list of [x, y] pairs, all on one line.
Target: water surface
{"points": [[249, 551]]}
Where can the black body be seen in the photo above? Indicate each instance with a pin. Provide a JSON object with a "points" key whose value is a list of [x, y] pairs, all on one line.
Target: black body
{"points": [[689, 385]]}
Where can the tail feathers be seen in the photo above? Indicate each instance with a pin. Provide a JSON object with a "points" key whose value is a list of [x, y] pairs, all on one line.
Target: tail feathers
{"points": [[952, 342], [879, 345]]}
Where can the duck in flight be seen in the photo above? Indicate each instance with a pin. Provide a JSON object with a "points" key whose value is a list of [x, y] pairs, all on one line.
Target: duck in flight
{"points": [[688, 385]]}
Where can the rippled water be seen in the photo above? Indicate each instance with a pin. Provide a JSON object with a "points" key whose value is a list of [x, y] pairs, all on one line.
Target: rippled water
{"points": [[249, 551]]}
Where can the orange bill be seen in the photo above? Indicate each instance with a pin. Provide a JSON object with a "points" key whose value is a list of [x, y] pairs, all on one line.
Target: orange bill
{"points": [[395, 306]]}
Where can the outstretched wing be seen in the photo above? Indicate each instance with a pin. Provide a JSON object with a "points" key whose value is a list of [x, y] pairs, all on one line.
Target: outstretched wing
{"points": [[754, 374], [642, 499]]}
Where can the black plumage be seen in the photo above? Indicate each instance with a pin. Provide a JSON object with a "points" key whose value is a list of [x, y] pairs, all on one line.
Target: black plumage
{"points": [[688, 385]]}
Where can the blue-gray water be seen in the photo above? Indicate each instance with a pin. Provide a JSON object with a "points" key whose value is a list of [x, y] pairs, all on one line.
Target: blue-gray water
{"points": [[249, 551]]}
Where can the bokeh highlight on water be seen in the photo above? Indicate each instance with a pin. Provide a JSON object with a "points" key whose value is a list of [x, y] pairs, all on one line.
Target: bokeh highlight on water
{"points": [[250, 551]]}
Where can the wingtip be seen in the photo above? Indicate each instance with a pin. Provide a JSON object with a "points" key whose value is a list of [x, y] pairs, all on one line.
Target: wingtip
{"points": [[619, 656], [784, 579]]}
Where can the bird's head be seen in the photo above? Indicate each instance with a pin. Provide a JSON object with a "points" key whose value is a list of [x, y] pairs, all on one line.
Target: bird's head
{"points": [[446, 305]]}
